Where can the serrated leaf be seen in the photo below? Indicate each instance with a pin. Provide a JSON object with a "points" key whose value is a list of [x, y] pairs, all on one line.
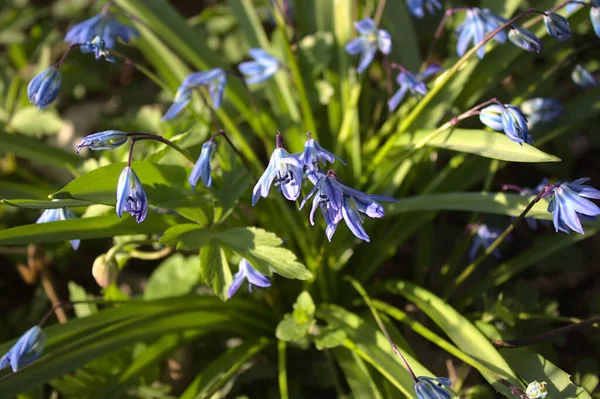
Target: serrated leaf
{"points": [[304, 308], [35, 122], [480, 142], [215, 268], [175, 276], [186, 236], [260, 247], [330, 337], [290, 330]]}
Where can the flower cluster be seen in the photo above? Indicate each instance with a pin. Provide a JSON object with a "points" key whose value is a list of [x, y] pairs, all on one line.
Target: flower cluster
{"points": [[508, 118]]}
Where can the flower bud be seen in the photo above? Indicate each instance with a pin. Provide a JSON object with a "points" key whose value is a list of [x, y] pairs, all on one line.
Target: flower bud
{"points": [[492, 116], [105, 271], [106, 140], [44, 88], [541, 110], [25, 351], [582, 77], [523, 38], [514, 124], [557, 26], [595, 18], [202, 167], [536, 390]]}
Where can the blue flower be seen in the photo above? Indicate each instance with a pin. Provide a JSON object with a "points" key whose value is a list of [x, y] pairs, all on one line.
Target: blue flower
{"points": [[557, 26], [595, 18], [416, 7], [582, 77], [569, 204], [202, 167], [25, 351], [508, 118], [313, 153], [247, 271], [412, 82], [262, 68], [514, 124], [536, 390], [285, 170], [525, 39], [484, 237], [131, 196], [55, 215], [477, 23], [106, 140], [432, 388], [98, 47], [106, 26], [368, 42], [541, 110], [44, 87], [338, 202], [215, 79]]}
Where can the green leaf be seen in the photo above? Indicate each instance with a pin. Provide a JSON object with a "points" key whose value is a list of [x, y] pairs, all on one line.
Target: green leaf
{"points": [[357, 374], [234, 183], [186, 236], [35, 122], [290, 330], [11, 190], [223, 368], [261, 248], [330, 337], [45, 204], [215, 268], [175, 276], [464, 334], [399, 23], [304, 308], [83, 229], [481, 142], [37, 151], [159, 182]]}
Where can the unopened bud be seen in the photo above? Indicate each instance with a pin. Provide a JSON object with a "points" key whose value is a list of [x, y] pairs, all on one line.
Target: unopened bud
{"points": [[105, 271]]}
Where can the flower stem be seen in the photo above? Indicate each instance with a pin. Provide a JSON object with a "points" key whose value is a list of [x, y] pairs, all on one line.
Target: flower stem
{"points": [[64, 56], [149, 136], [440, 30], [471, 268], [379, 12], [221, 132], [149, 74], [517, 343]]}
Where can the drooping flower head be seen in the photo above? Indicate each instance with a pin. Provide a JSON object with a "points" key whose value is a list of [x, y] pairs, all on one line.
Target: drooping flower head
{"points": [[313, 154], [262, 68], [541, 110], [58, 214], [508, 118], [106, 140], [478, 22], [131, 197], [557, 26], [594, 13], [44, 87], [370, 40], [285, 170], [432, 388], [413, 83], [525, 39], [417, 7], [484, 237], [583, 78], [201, 169], [247, 272], [215, 79], [569, 204], [536, 390], [25, 351], [104, 25], [98, 47], [338, 202]]}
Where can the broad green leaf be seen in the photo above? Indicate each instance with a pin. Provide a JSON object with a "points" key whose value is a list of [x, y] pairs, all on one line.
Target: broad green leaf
{"points": [[35, 150], [223, 368], [84, 229], [177, 275], [497, 203], [531, 366], [215, 268], [262, 249], [44, 204], [481, 142], [365, 339], [35, 122], [330, 337], [10, 190], [356, 373], [186, 236], [304, 308], [464, 334], [161, 184]]}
